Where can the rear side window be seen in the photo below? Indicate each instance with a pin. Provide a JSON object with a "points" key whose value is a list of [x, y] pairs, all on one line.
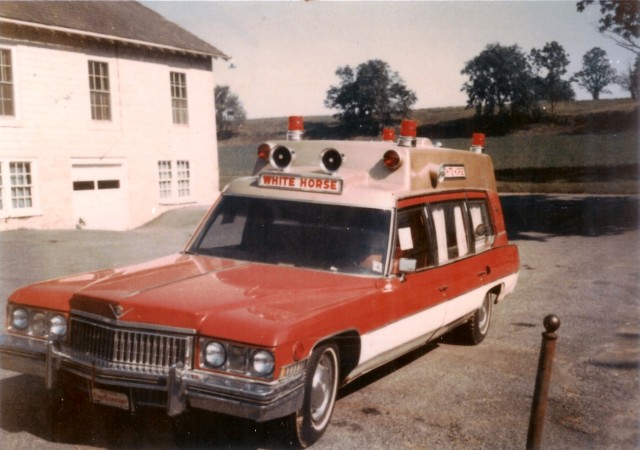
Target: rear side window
{"points": [[481, 226], [450, 225]]}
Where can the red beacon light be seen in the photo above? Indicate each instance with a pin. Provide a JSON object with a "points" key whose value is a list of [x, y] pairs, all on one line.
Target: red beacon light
{"points": [[408, 129], [391, 159], [264, 151], [296, 128], [388, 134], [477, 142]]}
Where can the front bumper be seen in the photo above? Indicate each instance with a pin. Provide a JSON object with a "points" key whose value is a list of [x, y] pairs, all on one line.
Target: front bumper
{"points": [[176, 389]]}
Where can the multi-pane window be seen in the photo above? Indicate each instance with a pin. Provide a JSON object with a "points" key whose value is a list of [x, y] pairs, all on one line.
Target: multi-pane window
{"points": [[21, 196], [179, 98], [99, 90], [164, 177], [16, 187], [6, 84], [168, 171], [184, 179]]}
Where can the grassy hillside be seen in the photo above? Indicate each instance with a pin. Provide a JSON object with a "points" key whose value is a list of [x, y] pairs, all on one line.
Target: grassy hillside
{"points": [[584, 147]]}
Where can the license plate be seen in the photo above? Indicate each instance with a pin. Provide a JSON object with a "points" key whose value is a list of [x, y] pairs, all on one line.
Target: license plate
{"points": [[110, 398]]}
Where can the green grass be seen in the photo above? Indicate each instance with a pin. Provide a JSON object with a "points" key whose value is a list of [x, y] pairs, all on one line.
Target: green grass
{"points": [[551, 157]]}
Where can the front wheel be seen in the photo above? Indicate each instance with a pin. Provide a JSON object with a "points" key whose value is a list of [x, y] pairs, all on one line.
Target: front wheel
{"points": [[320, 389]]}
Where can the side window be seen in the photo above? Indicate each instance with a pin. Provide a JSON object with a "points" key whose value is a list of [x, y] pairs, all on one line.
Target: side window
{"points": [[450, 229], [480, 225], [99, 90], [6, 84], [412, 240], [179, 98]]}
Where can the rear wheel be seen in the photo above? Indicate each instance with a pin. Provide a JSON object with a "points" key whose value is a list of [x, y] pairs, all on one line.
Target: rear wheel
{"points": [[321, 387], [476, 328]]}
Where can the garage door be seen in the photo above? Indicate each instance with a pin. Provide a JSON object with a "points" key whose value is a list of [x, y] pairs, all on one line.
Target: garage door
{"points": [[99, 195]]}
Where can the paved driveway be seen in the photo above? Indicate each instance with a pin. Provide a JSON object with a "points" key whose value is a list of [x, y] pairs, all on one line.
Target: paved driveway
{"points": [[579, 260]]}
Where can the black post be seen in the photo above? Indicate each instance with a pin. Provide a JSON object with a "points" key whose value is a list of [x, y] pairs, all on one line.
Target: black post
{"points": [[539, 405]]}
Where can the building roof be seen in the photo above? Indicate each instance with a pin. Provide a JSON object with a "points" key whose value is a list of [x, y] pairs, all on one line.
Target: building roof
{"points": [[127, 21]]}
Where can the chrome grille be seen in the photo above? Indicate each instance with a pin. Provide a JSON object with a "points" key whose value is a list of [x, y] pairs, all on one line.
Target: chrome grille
{"points": [[129, 349]]}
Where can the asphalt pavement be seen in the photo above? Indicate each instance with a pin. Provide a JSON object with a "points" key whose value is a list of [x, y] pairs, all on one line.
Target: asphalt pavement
{"points": [[579, 259]]}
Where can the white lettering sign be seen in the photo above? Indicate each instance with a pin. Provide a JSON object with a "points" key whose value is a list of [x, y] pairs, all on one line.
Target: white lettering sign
{"points": [[300, 183]]}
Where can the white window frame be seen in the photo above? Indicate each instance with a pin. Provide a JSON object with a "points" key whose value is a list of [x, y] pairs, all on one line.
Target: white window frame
{"points": [[183, 178], [8, 210], [98, 109], [165, 179], [13, 120], [179, 98], [11, 82], [175, 184]]}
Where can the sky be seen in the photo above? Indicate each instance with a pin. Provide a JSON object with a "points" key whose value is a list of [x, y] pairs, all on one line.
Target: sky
{"points": [[284, 54]]}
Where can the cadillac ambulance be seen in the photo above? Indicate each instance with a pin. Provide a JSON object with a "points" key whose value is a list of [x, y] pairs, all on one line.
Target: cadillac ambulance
{"points": [[333, 259]]}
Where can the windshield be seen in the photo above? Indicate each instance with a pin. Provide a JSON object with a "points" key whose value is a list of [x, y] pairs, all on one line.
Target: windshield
{"points": [[319, 236]]}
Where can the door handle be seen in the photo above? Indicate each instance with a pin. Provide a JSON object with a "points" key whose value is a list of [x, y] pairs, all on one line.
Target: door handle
{"points": [[443, 288], [486, 271]]}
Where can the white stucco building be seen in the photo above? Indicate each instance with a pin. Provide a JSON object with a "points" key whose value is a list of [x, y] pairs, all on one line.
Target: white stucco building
{"points": [[106, 115]]}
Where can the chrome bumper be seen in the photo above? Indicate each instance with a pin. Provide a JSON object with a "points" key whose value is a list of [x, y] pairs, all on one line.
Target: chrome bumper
{"points": [[184, 388]]}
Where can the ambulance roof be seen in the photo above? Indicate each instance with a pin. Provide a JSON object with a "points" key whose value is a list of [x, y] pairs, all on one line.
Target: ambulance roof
{"points": [[363, 179]]}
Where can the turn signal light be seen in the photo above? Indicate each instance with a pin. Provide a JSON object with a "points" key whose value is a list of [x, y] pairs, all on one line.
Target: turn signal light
{"points": [[391, 159]]}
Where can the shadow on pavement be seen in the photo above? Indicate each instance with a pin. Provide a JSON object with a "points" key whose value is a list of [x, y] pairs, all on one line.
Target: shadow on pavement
{"points": [[568, 215]]}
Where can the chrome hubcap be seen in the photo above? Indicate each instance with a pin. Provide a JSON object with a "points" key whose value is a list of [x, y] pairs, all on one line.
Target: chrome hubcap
{"points": [[322, 388], [483, 314]]}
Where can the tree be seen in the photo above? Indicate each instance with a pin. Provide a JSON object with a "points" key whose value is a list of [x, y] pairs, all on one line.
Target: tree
{"points": [[620, 20], [630, 79], [499, 77], [230, 113], [550, 64], [596, 73], [369, 97]]}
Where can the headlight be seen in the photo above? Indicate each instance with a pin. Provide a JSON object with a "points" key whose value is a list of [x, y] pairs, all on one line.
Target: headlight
{"points": [[57, 326], [20, 318], [38, 325], [37, 322], [215, 354], [235, 358], [263, 362]]}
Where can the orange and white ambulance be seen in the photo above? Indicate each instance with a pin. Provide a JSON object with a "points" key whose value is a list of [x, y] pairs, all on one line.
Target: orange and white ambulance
{"points": [[333, 258]]}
